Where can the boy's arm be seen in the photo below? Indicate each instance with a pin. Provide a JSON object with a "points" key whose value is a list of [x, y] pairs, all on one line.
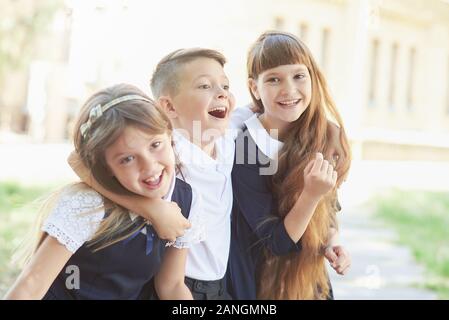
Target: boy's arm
{"points": [[37, 277], [240, 115], [166, 217], [238, 118], [333, 237], [169, 282], [338, 257], [334, 154]]}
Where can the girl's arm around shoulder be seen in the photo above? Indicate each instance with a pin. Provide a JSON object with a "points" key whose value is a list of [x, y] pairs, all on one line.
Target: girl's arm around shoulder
{"points": [[166, 217], [169, 282], [37, 277]]}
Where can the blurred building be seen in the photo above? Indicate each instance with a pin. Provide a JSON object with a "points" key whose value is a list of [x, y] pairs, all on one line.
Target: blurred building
{"points": [[387, 62]]}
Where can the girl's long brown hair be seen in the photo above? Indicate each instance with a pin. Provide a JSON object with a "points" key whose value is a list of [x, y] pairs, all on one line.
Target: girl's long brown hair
{"points": [[303, 275]]}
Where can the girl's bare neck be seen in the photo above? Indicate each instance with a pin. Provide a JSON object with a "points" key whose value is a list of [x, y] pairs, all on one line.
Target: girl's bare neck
{"points": [[275, 128]]}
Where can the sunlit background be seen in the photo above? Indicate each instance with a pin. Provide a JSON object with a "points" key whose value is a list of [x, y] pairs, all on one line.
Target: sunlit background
{"points": [[387, 65]]}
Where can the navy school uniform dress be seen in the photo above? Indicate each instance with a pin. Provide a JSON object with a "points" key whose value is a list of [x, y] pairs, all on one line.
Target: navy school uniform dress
{"points": [[255, 224], [122, 270]]}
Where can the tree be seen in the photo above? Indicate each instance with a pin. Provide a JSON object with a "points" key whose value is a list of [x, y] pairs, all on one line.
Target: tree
{"points": [[22, 24]]}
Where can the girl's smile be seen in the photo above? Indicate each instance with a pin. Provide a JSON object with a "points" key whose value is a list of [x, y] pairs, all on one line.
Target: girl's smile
{"points": [[289, 103], [154, 181]]}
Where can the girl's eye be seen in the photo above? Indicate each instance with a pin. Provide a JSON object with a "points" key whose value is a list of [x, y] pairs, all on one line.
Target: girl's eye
{"points": [[156, 144], [126, 160], [273, 80], [300, 76]]}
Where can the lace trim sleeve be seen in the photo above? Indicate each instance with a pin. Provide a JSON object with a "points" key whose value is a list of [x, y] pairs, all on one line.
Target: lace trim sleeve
{"points": [[75, 217]]}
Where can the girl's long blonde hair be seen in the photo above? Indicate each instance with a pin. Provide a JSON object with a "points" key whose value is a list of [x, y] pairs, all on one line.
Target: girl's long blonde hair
{"points": [[91, 149], [303, 275]]}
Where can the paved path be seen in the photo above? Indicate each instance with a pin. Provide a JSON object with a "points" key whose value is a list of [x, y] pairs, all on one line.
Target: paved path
{"points": [[381, 269]]}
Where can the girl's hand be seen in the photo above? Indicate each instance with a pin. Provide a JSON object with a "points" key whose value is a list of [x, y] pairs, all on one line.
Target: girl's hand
{"points": [[170, 223], [319, 177], [338, 258]]}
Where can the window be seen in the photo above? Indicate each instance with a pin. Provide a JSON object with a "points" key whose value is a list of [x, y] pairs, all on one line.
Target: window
{"points": [[279, 23], [303, 31], [325, 48], [372, 87], [447, 87], [411, 79], [393, 67]]}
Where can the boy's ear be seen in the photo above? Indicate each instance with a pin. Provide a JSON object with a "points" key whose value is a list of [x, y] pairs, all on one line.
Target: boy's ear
{"points": [[167, 105], [253, 87]]}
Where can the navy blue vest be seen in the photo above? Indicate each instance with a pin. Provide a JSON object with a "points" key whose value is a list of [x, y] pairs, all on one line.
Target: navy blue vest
{"points": [[121, 270]]}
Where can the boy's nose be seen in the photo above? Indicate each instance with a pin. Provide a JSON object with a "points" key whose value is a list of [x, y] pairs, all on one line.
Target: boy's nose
{"points": [[222, 93]]}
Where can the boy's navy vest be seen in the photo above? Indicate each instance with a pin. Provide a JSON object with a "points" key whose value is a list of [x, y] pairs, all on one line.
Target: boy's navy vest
{"points": [[121, 270]]}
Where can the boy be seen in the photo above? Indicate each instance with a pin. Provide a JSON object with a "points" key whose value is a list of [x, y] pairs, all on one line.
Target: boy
{"points": [[191, 86]]}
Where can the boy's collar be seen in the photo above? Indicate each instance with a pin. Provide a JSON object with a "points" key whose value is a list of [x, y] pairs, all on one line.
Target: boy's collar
{"points": [[189, 153]]}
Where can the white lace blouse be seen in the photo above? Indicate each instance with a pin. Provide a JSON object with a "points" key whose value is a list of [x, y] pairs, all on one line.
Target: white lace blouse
{"points": [[79, 211]]}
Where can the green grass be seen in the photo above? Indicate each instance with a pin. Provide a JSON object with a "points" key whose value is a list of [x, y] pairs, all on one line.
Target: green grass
{"points": [[422, 221], [16, 216]]}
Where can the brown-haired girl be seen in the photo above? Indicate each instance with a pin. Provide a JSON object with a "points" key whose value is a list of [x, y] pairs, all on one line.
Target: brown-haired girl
{"points": [[90, 248], [282, 256]]}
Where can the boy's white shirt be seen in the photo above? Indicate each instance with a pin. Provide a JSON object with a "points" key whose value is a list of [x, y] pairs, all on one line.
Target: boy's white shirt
{"points": [[211, 178], [79, 211]]}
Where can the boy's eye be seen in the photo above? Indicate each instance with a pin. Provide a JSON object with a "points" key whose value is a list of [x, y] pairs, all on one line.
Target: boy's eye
{"points": [[204, 86], [126, 160], [226, 87]]}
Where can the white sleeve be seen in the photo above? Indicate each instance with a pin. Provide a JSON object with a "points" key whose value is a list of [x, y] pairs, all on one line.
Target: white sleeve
{"points": [[238, 118], [75, 217], [197, 231]]}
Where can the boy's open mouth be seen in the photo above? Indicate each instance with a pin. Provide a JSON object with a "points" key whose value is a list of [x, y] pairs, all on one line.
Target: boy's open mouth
{"points": [[219, 112], [154, 182]]}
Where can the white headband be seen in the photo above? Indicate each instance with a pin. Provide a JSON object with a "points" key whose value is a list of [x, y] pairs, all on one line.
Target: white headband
{"points": [[98, 110]]}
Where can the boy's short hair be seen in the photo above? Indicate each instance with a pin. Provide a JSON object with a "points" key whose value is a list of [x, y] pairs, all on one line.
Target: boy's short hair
{"points": [[165, 77]]}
